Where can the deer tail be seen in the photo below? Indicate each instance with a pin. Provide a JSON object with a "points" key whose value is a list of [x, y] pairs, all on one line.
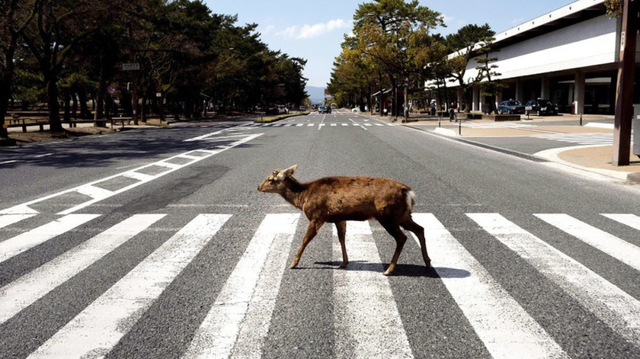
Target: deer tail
{"points": [[411, 200]]}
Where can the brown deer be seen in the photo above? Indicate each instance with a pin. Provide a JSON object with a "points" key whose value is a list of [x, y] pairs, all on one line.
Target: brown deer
{"points": [[340, 199]]}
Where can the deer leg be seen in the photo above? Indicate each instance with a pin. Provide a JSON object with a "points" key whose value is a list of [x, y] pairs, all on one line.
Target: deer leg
{"points": [[342, 230], [312, 230], [412, 226], [395, 231]]}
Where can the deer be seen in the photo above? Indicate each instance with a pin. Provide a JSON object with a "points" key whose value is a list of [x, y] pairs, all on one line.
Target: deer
{"points": [[340, 199]]}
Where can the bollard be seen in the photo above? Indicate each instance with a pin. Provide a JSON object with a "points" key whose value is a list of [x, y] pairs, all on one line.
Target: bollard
{"points": [[439, 118], [459, 126], [580, 119]]}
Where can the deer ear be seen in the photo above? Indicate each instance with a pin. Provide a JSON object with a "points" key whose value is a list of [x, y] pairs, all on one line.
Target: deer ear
{"points": [[288, 172]]}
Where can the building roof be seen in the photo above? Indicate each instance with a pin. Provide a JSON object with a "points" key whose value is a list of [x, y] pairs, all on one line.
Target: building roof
{"points": [[567, 15]]}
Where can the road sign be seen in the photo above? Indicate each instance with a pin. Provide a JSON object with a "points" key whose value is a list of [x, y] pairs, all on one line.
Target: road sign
{"points": [[134, 66], [111, 90]]}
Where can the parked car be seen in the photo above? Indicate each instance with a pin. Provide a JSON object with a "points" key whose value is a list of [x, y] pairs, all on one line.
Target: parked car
{"points": [[322, 109], [510, 107], [540, 107], [355, 109], [271, 110]]}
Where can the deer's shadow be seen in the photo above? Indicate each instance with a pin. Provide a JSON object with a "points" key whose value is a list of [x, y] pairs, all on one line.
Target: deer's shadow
{"points": [[402, 270]]}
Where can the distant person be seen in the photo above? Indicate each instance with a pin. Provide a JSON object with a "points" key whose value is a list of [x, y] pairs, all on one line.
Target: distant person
{"points": [[452, 112]]}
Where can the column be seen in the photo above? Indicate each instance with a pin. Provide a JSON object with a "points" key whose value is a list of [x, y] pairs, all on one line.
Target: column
{"points": [[519, 90], [474, 101], [578, 93], [460, 97], [545, 88]]}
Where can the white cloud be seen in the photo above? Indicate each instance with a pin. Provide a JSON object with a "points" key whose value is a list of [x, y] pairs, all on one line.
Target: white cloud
{"points": [[289, 32], [310, 31], [268, 29]]}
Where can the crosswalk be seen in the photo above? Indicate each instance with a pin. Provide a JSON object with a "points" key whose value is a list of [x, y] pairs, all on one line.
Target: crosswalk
{"points": [[326, 125], [595, 139], [366, 315]]}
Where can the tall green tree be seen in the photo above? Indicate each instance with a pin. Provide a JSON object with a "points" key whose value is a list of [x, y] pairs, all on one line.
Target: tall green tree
{"points": [[467, 42]]}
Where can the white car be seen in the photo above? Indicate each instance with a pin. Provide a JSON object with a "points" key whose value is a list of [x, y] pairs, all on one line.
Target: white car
{"points": [[355, 109]]}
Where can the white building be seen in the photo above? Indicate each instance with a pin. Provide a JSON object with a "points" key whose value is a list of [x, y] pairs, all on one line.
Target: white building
{"points": [[569, 56]]}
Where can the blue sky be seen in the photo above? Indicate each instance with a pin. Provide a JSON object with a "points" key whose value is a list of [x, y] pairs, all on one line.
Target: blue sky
{"points": [[314, 30]]}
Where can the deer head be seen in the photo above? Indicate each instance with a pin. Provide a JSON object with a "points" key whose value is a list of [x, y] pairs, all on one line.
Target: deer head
{"points": [[275, 182]]}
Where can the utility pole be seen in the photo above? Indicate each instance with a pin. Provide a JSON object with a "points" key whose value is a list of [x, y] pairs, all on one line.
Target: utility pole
{"points": [[624, 88]]}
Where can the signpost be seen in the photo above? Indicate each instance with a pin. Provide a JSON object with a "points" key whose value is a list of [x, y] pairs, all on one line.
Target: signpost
{"points": [[624, 93]]}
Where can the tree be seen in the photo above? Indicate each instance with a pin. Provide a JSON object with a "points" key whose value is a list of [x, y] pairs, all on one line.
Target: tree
{"points": [[14, 18], [467, 42], [395, 33]]}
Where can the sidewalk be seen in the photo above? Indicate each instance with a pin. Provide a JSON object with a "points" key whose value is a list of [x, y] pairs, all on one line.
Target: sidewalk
{"points": [[561, 134]]}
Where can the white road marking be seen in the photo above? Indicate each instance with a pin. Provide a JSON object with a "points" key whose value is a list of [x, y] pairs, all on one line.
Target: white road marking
{"points": [[501, 323], [334, 124], [7, 162], [320, 126], [366, 318], [24, 291], [245, 304], [345, 124], [16, 245], [204, 136], [9, 219], [300, 125], [630, 220], [99, 327], [358, 125], [87, 189], [310, 125], [612, 305], [617, 248]]}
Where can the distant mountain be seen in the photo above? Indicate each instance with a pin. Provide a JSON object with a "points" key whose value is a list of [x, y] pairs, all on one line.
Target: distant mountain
{"points": [[316, 94]]}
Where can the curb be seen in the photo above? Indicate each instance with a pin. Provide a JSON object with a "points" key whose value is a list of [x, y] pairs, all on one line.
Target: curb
{"points": [[552, 155]]}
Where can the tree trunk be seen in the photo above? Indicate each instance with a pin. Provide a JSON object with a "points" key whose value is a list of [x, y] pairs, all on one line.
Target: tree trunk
{"points": [[54, 106], [6, 80], [67, 107], [5, 94], [102, 91], [143, 109], [84, 109]]}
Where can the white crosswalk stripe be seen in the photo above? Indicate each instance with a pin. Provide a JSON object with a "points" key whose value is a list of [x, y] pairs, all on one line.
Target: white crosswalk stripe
{"points": [[219, 332], [366, 316], [580, 138], [9, 219], [617, 248], [16, 245], [101, 325], [497, 318], [612, 305], [22, 292]]}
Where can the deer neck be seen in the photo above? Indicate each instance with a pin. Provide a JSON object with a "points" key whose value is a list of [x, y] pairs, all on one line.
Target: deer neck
{"points": [[294, 192]]}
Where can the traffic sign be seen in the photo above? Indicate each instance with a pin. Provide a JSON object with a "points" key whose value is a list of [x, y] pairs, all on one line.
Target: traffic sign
{"points": [[134, 66], [111, 90]]}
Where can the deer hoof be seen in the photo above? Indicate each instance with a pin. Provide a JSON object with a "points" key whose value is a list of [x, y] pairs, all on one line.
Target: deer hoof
{"points": [[343, 265], [293, 264]]}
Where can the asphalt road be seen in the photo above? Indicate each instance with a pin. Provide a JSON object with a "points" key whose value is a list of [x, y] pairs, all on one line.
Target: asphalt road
{"points": [[156, 244]]}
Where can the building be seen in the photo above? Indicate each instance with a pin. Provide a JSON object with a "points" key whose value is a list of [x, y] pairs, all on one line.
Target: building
{"points": [[569, 56]]}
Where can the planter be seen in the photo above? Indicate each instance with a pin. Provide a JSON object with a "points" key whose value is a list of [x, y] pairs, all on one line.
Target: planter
{"points": [[498, 118]]}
